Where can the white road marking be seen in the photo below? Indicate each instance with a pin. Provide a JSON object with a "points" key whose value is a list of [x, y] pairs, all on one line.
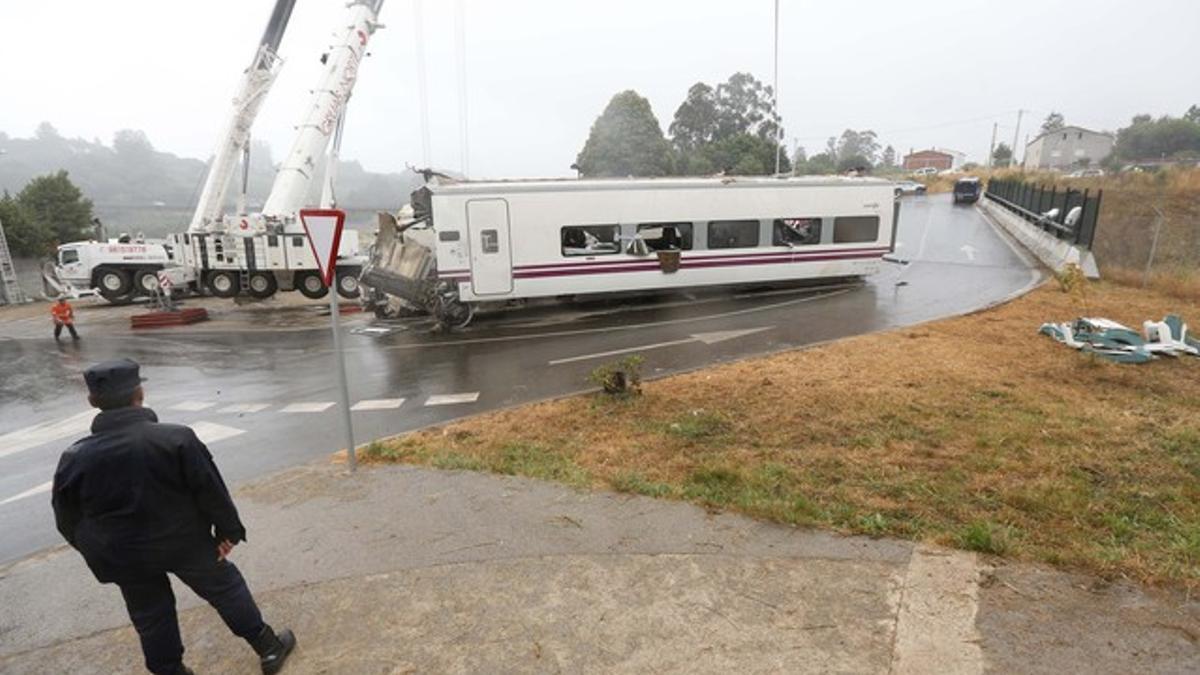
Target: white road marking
{"points": [[192, 406], [969, 250], [449, 399], [46, 432], [245, 408], [44, 487], [211, 432], [935, 619], [379, 404], [707, 338], [314, 407]]}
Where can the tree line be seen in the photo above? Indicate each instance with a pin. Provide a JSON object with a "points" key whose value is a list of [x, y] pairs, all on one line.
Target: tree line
{"points": [[731, 128], [49, 210], [129, 172]]}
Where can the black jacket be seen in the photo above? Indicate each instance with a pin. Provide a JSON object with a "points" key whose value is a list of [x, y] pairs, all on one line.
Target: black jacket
{"points": [[138, 497]]}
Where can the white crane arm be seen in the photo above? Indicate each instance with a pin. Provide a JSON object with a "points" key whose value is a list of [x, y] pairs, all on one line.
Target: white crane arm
{"points": [[290, 189], [256, 83]]}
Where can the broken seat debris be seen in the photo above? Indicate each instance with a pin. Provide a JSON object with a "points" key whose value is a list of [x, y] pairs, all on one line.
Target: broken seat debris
{"points": [[1116, 342]]}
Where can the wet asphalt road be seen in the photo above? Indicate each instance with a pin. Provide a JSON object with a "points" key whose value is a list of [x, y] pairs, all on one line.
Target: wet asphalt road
{"points": [[959, 262]]}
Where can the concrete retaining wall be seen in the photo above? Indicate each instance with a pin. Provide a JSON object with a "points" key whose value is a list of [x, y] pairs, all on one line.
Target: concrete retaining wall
{"points": [[1051, 251], [29, 275]]}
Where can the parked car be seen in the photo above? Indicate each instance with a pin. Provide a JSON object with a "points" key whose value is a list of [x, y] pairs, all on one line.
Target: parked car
{"points": [[910, 187], [967, 190], [925, 171], [1086, 173]]}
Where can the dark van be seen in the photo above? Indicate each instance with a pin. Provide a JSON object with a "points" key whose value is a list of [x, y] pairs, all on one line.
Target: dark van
{"points": [[967, 190]]}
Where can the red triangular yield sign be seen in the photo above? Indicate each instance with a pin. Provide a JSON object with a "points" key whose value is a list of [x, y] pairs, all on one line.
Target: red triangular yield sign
{"points": [[324, 229]]}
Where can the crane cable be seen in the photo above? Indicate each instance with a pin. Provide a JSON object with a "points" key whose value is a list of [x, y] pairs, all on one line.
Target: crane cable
{"points": [[460, 40], [422, 84]]}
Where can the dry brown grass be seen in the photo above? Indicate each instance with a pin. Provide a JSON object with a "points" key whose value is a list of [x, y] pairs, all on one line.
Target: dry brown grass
{"points": [[972, 432]]}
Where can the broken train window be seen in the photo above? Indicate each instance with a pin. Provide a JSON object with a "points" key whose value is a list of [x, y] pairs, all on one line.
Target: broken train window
{"points": [[591, 240], [796, 232]]}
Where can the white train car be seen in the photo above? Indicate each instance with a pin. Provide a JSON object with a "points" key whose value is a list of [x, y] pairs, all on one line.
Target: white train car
{"points": [[496, 241]]}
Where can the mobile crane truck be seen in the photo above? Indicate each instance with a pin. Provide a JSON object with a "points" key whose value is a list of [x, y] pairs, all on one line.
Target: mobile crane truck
{"points": [[252, 253]]}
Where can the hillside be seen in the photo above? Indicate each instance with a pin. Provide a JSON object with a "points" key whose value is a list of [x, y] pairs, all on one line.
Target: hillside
{"points": [[133, 186]]}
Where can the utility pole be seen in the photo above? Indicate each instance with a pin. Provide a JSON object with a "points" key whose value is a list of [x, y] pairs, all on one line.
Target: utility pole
{"points": [[1016, 135], [779, 122], [992, 148]]}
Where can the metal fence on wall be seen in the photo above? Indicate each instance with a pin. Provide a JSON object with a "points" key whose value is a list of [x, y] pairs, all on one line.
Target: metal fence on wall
{"points": [[1048, 207]]}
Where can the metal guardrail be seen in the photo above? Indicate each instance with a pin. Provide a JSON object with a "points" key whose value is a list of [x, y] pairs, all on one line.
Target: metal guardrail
{"points": [[1033, 202]]}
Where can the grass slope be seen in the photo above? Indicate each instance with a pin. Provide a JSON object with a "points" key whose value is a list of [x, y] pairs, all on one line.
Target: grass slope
{"points": [[973, 432]]}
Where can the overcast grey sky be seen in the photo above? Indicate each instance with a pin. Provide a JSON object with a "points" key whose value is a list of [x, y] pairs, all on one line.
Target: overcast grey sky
{"points": [[927, 73]]}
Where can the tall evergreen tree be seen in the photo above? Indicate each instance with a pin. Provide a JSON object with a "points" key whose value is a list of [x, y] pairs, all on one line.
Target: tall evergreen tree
{"points": [[625, 140]]}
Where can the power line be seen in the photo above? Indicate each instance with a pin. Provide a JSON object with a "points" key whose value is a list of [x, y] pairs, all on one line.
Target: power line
{"points": [[931, 127]]}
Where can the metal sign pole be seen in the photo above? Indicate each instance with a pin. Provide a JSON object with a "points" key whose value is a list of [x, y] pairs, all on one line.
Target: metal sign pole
{"points": [[324, 230], [341, 368]]}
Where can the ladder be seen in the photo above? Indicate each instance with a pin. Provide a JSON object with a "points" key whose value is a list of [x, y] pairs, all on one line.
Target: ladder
{"points": [[11, 290]]}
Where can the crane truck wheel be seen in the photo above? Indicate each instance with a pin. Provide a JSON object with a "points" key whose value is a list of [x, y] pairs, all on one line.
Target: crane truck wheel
{"points": [[113, 282], [262, 285], [347, 283], [310, 285], [223, 284], [145, 282]]}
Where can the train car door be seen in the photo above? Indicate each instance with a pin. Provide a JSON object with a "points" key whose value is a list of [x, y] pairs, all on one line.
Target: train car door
{"points": [[491, 255]]}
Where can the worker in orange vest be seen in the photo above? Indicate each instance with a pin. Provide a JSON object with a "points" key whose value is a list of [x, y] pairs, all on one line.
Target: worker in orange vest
{"points": [[63, 315]]}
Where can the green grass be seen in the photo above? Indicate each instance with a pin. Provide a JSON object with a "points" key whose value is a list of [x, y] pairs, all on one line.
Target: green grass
{"points": [[985, 537], [698, 425], [535, 461]]}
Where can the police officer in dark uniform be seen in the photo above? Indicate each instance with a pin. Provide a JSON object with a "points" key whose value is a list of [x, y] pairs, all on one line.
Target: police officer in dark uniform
{"points": [[140, 499]]}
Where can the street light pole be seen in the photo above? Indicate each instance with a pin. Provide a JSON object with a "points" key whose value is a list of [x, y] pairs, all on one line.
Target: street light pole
{"points": [[1016, 135]]}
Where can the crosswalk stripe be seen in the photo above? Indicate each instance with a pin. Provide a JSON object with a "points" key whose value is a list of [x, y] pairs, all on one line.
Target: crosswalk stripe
{"points": [[379, 404], [312, 407], [244, 408], [449, 399], [211, 432], [192, 406], [46, 432], [44, 487]]}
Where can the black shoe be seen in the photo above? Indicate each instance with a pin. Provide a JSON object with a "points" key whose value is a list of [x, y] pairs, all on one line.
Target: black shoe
{"points": [[273, 648]]}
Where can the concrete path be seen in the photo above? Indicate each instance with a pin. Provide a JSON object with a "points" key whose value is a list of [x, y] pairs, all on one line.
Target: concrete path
{"points": [[398, 569]]}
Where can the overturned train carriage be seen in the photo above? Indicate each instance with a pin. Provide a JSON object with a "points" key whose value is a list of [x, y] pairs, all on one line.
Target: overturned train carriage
{"points": [[473, 242]]}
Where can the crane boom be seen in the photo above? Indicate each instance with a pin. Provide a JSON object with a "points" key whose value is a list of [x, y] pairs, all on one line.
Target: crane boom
{"points": [[256, 82], [290, 189]]}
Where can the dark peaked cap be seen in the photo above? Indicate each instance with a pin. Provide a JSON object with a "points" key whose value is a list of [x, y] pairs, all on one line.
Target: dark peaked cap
{"points": [[113, 378]]}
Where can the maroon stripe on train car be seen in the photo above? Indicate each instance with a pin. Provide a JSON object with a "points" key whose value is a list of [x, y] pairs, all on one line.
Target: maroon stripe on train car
{"points": [[652, 262], [687, 263]]}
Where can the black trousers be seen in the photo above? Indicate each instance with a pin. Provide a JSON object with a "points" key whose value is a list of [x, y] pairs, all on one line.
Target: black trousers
{"points": [[151, 605], [70, 326]]}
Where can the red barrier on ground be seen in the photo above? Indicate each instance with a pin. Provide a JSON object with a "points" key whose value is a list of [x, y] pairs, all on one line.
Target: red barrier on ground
{"points": [[165, 319]]}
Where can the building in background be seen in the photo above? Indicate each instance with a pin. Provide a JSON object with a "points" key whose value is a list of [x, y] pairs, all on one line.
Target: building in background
{"points": [[935, 158], [1067, 148]]}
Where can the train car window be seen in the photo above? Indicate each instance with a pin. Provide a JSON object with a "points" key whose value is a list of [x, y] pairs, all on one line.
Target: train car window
{"points": [[855, 229], [796, 232], [273, 240], [591, 240], [733, 234], [666, 236]]}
